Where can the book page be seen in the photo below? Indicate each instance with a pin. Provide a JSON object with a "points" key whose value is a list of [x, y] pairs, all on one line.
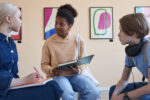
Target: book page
{"points": [[70, 62]]}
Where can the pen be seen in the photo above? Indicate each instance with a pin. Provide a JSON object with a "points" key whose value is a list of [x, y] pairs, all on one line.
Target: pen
{"points": [[37, 71]]}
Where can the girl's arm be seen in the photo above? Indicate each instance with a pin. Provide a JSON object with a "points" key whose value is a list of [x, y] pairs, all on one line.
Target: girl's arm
{"points": [[122, 83]]}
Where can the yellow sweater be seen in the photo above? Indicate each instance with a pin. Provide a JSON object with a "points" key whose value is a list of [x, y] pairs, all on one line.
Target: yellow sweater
{"points": [[57, 50]]}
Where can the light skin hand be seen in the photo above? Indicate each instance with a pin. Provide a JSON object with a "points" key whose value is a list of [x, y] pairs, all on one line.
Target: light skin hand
{"points": [[122, 83], [132, 94], [33, 77], [119, 97]]}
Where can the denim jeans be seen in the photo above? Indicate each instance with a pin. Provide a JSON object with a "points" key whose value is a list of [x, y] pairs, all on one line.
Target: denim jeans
{"points": [[79, 83], [131, 87]]}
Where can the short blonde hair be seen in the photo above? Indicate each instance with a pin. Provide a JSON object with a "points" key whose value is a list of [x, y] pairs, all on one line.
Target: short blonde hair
{"points": [[6, 9]]}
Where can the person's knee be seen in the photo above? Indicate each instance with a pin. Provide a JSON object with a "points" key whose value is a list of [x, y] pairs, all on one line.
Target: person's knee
{"points": [[68, 95], [94, 93]]}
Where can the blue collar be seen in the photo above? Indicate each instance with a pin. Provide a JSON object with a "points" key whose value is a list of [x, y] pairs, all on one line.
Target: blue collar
{"points": [[3, 37], [145, 38]]}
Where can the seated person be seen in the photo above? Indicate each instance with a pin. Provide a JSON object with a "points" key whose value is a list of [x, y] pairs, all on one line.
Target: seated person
{"points": [[62, 47], [10, 20], [133, 29]]}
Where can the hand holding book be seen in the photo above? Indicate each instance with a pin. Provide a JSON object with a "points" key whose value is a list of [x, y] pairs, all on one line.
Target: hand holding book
{"points": [[71, 66], [75, 63], [71, 69], [57, 72]]}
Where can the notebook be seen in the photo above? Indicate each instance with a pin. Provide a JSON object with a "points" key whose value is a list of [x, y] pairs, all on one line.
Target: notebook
{"points": [[39, 83]]}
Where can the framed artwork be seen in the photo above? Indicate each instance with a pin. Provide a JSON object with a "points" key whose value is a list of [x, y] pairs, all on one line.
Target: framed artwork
{"points": [[49, 21], [101, 22], [17, 35], [146, 11]]}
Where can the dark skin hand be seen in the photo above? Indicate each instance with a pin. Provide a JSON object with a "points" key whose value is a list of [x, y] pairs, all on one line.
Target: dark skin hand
{"points": [[57, 72], [72, 69]]}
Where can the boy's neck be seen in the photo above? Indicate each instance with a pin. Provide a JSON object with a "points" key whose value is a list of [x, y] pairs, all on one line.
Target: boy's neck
{"points": [[136, 41]]}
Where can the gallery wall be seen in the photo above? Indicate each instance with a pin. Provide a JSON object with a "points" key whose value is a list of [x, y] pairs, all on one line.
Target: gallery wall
{"points": [[108, 62]]}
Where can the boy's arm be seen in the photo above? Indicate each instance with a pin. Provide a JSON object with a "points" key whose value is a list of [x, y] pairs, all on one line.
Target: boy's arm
{"points": [[122, 83], [141, 91]]}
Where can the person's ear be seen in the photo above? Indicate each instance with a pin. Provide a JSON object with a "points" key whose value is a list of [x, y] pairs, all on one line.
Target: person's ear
{"points": [[7, 19], [70, 25], [134, 34]]}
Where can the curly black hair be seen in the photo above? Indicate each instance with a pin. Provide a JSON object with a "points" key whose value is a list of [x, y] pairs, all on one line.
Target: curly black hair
{"points": [[68, 12]]}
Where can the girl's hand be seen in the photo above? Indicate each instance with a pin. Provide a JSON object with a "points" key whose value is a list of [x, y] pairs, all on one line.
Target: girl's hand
{"points": [[33, 77], [72, 69], [57, 72]]}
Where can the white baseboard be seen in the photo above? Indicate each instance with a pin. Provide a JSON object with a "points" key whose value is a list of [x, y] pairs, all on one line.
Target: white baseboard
{"points": [[104, 88]]}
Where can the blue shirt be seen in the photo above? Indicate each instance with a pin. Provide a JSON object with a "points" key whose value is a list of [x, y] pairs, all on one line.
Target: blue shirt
{"points": [[139, 62], [8, 63]]}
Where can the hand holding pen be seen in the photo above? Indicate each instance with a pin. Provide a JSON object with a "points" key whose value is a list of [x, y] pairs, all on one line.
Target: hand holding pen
{"points": [[37, 71]]}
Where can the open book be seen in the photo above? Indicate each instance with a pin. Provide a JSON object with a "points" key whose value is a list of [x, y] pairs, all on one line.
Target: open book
{"points": [[41, 82], [74, 63]]}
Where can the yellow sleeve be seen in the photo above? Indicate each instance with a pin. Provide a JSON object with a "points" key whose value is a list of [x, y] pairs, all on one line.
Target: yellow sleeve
{"points": [[46, 61]]}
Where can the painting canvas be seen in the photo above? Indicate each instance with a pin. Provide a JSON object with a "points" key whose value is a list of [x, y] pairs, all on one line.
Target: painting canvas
{"points": [[101, 22], [145, 10], [49, 22], [16, 35]]}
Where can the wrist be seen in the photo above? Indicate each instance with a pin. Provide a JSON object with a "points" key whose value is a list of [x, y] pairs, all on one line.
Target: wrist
{"points": [[126, 97]]}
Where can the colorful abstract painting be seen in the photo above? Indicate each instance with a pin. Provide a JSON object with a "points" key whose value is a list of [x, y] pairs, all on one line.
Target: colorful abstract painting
{"points": [[146, 11], [49, 22], [16, 35], [101, 22]]}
